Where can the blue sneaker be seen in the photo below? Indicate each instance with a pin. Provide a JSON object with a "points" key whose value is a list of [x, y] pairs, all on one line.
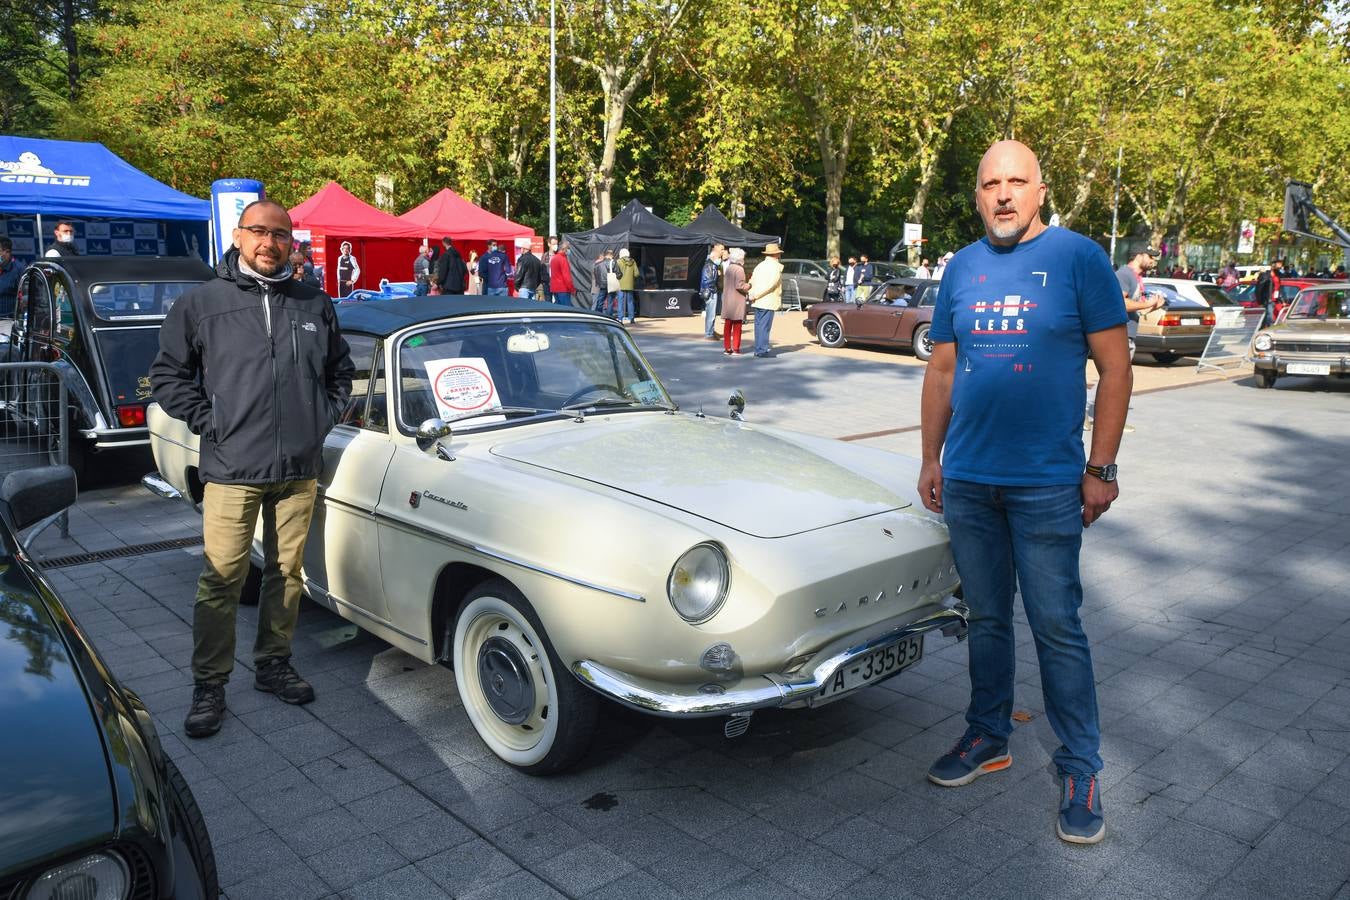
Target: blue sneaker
{"points": [[974, 755], [1080, 811]]}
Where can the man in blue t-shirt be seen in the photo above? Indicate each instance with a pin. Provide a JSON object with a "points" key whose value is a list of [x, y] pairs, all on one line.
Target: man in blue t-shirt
{"points": [[1018, 315]]}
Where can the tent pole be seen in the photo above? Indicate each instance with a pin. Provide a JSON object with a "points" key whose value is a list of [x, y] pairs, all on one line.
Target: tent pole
{"points": [[41, 249]]}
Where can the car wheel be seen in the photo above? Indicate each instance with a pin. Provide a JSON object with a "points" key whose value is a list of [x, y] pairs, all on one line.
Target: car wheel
{"points": [[830, 332], [1166, 357], [523, 702], [922, 343], [195, 835], [1264, 379]]}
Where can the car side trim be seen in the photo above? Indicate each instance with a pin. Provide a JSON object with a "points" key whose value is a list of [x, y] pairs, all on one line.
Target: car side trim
{"points": [[508, 559], [366, 614]]}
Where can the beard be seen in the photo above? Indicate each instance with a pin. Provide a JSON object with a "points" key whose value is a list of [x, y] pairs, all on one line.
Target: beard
{"points": [[265, 266]]}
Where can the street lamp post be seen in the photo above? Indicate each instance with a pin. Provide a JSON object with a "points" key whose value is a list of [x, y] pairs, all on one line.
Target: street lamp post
{"points": [[552, 117]]}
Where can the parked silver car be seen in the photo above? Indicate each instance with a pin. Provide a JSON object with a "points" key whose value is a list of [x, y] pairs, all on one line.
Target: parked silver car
{"points": [[1311, 338]]}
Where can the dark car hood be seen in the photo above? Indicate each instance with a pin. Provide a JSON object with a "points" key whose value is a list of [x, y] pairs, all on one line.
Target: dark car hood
{"points": [[55, 789]]}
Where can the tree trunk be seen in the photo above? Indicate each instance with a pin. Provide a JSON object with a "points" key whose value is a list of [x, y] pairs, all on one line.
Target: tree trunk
{"points": [[70, 18], [834, 161], [930, 151]]}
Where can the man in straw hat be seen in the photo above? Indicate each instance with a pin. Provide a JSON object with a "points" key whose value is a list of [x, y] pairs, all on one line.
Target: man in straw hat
{"points": [[766, 296]]}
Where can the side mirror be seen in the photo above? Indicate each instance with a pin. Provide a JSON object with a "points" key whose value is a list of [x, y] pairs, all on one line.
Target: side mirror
{"points": [[35, 494], [737, 404], [430, 434]]}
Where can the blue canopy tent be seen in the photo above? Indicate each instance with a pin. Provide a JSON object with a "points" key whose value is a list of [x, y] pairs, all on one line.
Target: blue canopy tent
{"points": [[75, 180]]}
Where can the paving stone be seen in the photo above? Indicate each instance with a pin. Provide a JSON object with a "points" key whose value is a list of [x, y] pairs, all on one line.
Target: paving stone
{"points": [[491, 808], [816, 871], [537, 838], [633, 885], [1295, 765], [1266, 798], [391, 807], [1290, 862], [306, 742], [322, 831], [427, 835], [583, 868], [699, 871], [865, 841], [517, 886], [252, 855], [467, 867], [400, 884], [1236, 820], [356, 861]]}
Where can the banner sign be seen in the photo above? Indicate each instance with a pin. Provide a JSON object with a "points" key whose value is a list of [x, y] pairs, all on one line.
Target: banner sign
{"points": [[1231, 340]]}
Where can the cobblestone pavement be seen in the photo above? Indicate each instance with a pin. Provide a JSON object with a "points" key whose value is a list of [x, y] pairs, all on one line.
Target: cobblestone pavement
{"points": [[1218, 604]]}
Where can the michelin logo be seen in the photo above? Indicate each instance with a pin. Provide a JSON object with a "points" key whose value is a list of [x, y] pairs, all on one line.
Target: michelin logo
{"points": [[30, 170]]}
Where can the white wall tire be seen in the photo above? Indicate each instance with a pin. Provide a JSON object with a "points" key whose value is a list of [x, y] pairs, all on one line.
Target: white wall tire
{"points": [[525, 705]]}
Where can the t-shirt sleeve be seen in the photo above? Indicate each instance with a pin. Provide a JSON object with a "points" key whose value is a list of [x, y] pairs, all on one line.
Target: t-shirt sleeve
{"points": [[1100, 304], [1125, 278], [942, 330]]}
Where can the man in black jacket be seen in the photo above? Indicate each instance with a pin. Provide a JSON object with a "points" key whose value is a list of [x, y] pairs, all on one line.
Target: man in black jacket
{"points": [[451, 272], [255, 363], [529, 274]]}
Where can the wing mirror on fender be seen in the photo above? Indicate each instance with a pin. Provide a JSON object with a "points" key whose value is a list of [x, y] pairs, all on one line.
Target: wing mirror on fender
{"points": [[737, 404], [430, 434]]}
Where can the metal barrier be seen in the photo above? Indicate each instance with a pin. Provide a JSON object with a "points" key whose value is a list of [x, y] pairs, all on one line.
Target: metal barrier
{"points": [[1231, 340], [34, 425], [792, 295]]}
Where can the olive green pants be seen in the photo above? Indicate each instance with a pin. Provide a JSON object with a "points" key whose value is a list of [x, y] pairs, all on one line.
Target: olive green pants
{"points": [[229, 517]]}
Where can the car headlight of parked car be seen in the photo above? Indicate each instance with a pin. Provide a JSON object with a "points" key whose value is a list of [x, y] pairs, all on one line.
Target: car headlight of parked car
{"points": [[1263, 342], [698, 582], [98, 876]]}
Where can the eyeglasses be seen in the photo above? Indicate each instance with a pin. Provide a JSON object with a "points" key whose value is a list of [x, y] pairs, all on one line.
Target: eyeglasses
{"points": [[262, 232]]}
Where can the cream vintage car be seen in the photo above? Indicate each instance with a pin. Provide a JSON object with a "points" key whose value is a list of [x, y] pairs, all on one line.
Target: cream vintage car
{"points": [[1311, 338], [578, 537]]}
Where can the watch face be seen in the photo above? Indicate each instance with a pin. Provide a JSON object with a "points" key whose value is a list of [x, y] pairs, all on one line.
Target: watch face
{"points": [[1109, 472]]}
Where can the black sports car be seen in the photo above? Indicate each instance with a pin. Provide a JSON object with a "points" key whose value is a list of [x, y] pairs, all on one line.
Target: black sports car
{"points": [[90, 804]]}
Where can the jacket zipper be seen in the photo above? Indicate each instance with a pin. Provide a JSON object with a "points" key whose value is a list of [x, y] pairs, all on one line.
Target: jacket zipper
{"points": [[272, 352], [295, 343]]}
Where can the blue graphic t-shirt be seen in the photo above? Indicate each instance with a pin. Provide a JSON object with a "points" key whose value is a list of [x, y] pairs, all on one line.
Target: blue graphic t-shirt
{"points": [[1020, 317]]}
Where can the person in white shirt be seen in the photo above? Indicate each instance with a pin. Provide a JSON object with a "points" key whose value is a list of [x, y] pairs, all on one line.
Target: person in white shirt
{"points": [[851, 279]]}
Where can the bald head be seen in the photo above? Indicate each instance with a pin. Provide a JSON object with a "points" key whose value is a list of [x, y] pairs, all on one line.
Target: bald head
{"points": [[263, 236], [1009, 193]]}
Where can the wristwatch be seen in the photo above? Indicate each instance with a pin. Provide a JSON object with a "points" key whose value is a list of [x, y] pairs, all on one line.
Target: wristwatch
{"points": [[1105, 473]]}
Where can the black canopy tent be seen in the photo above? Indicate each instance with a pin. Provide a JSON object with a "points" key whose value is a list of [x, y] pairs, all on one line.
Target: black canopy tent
{"points": [[717, 228], [667, 256]]}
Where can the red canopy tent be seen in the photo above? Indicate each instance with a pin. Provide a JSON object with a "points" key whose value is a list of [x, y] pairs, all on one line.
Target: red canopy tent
{"points": [[469, 227], [384, 245]]}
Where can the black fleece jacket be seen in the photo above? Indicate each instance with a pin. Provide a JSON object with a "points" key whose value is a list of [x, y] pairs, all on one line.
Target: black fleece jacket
{"points": [[262, 399]]}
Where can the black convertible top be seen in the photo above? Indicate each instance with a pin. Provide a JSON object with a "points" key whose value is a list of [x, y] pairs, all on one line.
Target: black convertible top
{"points": [[93, 269], [384, 317]]}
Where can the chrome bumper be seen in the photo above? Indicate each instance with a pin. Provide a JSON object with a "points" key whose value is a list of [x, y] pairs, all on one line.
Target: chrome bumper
{"points": [[155, 483], [763, 691]]}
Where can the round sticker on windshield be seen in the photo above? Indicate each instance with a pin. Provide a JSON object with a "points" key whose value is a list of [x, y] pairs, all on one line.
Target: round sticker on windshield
{"points": [[464, 388]]}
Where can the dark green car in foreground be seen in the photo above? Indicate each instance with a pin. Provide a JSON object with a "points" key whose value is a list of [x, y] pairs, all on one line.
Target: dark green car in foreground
{"points": [[91, 807]]}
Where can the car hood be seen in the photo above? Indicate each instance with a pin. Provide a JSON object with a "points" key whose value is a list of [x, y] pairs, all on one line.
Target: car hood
{"points": [[55, 791], [727, 472], [1305, 329]]}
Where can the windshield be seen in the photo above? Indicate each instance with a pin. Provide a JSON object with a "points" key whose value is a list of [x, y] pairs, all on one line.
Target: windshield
{"points": [[520, 369], [137, 299], [1321, 304], [1173, 299], [1215, 296]]}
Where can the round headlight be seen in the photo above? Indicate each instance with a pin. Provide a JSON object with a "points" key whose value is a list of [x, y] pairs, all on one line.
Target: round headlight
{"points": [[98, 876], [1263, 342], [698, 583]]}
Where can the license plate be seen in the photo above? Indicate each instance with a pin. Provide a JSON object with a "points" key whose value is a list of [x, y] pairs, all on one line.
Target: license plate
{"points": [[1190, 321], [875, 666], [1308, 368]]}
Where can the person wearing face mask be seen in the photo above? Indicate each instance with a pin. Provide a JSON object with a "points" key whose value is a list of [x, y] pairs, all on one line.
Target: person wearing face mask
{"points": [[255, 363], [64, 245], [348, 270]]}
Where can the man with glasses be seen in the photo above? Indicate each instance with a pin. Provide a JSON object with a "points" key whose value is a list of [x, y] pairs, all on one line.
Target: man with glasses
{"points": [[64, 245], [254, 362]]}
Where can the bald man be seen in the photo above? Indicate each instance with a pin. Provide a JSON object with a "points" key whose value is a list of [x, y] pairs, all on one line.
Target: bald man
{"points": [[254, 362], [1017, 317]]}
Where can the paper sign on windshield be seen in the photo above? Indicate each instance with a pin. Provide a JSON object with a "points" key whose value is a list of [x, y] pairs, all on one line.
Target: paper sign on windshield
{"points": [[462, 385]]}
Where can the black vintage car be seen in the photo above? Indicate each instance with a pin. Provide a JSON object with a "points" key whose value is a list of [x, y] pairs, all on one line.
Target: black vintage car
{"points": [[90, 804], [97, 319]]}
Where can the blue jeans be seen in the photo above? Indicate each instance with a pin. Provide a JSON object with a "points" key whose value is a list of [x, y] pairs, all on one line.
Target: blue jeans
{"points": [[625, 304], [709, 312], [848, 293], [525, 293], [421, 290], [602, 302], [495, 292], [763, 324], [1003, 538], [562, 298]]}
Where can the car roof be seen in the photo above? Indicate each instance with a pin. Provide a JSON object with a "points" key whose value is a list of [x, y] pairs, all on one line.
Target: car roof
{"points": [[384, 317], [130, 268]]}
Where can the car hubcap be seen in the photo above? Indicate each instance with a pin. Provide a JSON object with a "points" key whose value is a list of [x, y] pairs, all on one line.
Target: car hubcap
{"points": [[927, 343], [831, 331], [505, 677]]}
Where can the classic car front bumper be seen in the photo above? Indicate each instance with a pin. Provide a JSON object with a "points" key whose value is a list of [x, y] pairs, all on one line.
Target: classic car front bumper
{"points": [[770, 690], [1273, 361]]}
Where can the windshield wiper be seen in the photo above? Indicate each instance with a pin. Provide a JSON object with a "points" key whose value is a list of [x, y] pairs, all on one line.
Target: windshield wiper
{"points": [[612, 401], [509, 412]]}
